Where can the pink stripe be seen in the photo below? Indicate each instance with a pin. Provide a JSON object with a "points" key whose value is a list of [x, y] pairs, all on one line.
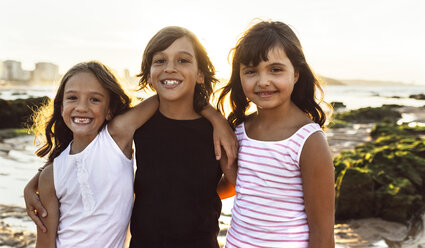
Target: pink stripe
{"points": [[240, 241], [269, 214], [269, 187], [268, 206], [273, 166], [289, 148], [267, 232], [268, 180], [280, 200], [293, 141], [238, 133], [268, 193], [270, 157], [268, 240], [299, 135], [263, 172], [266, 221], [267, 149]]}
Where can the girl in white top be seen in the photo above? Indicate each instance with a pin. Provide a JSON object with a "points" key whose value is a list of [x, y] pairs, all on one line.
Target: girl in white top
{"points": [[86, 185], [285, 180]]}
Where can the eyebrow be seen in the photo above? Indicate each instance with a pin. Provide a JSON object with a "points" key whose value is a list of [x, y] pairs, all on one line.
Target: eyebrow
{"points": [[91, 92], [278, 64], [272, 64], [182, 51]]}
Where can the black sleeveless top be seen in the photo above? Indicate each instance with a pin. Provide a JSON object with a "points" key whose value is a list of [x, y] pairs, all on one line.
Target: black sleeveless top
{"points": [[176, 202]]}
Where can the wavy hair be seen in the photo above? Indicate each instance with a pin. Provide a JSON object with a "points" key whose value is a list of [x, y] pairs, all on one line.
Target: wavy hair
{"points": [[56, 134], [251, 49], [161, 41]]}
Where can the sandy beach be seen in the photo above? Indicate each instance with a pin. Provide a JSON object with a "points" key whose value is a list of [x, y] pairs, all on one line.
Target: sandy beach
{"points": [[17, 229]]}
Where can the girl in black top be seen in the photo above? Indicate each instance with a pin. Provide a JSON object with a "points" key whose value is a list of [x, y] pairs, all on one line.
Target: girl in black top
{"points": [[176, 202]]}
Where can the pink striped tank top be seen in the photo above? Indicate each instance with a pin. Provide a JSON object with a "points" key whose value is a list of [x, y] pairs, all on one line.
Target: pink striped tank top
{"points": [[268, 209]]}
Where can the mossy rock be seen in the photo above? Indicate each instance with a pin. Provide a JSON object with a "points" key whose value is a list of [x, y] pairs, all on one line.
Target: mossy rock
{"points": [[339, 124], [398, 201], [338, 105], [17, 113], [385, 113], [384, 178], [354, 197], [418, 96]]}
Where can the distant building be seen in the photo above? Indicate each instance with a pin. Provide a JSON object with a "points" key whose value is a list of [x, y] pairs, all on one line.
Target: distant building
{"points": [[45, 73], [11, 70], [1, 70]]}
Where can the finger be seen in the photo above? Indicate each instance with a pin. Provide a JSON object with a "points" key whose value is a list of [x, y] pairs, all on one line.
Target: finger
{"points": [[39, 208], [217, 150], [229, 155], [36, 219]]}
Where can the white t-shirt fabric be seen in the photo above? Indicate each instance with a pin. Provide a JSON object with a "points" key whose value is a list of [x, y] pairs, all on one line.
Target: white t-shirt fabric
{"points": [[95, 193]]}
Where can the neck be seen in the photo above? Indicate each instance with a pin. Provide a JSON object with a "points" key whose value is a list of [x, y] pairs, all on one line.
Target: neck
{"points": [[178, 110], [270, 116], [79, 144]]}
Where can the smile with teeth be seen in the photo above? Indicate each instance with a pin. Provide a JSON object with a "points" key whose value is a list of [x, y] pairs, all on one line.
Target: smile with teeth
{"points": [[265, 93], [170, 82], [81, 120]]}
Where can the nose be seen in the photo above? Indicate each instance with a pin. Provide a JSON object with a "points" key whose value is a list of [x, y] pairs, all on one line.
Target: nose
{"points": [[82, 106], [263, 80], [170, 67]]}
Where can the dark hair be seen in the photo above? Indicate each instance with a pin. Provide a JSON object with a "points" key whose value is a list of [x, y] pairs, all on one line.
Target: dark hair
{"points": [[161, 41], [57, 135], [251, 49]]}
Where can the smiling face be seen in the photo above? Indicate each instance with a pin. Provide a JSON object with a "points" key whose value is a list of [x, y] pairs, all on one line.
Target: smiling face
{"points": [[269, 84], [174, 72], [85, 106]]}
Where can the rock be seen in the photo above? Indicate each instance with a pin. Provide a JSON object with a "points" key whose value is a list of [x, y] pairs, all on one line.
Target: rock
{"points": [[383, 178], [418, 96], [386, 113]]}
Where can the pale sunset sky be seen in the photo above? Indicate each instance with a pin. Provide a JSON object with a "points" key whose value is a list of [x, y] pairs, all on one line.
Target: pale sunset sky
{"points": [[361, 39]]}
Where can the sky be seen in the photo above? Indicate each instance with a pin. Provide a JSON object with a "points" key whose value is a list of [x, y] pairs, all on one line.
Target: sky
{"points": [[362, 39]]}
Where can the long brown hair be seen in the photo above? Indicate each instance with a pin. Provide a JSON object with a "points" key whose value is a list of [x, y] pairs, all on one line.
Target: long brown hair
{"points": [[161, 41], [56, 134], [251, 49]]}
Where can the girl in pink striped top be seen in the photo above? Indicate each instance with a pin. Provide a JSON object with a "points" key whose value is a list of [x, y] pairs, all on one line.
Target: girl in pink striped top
{"points": [[285, 180]]}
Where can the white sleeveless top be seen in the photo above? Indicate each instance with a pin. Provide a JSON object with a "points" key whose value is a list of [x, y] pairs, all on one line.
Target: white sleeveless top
{"points": [[95, 193], [268, 209]]}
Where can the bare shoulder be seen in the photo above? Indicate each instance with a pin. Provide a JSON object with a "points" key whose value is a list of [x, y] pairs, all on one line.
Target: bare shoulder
{"points": [[316, 150]]}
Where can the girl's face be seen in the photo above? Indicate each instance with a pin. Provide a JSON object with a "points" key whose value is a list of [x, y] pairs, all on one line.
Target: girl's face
{"points": [[85, 105], [174, 72], [269, 84]]}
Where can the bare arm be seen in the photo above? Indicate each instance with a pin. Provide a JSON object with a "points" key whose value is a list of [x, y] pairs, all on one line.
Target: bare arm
{"points": [[123, 126], [32, 202], [317, 173], [48, 198], [223, 134], [226, 186]]}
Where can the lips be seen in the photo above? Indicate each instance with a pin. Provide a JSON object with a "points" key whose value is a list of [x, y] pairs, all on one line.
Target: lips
{"points": [[170, 83], [81, 120], [265, 93]]}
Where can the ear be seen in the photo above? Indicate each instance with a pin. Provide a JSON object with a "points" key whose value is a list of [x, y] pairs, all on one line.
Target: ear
{"points": [[149, 81], [296, 76], [200, 78], [109, 115]]}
